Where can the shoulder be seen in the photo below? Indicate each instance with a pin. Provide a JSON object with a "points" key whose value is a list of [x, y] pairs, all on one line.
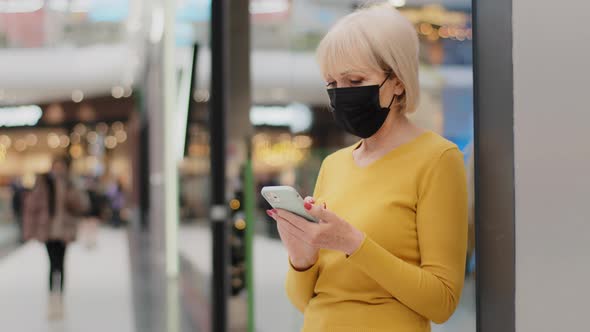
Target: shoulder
{"points": [[436, 146], [432, 149], [338, 157], [440, 158], [433, 154]]}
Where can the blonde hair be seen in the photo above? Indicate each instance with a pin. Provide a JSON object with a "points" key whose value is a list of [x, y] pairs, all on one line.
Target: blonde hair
{"points": [[375, 37]]}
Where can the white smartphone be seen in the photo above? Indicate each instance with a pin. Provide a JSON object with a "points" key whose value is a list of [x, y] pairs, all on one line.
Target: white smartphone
{"points": [[286, 198]]}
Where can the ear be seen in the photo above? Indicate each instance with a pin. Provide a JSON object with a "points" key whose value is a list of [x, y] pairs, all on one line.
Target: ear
{"points": [[398, 87]]}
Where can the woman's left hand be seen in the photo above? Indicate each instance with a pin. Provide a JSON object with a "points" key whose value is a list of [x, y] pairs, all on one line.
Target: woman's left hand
{"points": [[331, 232]]}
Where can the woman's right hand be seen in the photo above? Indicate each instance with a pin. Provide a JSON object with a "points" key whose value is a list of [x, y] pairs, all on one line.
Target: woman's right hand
{"points": [[301, 254]]}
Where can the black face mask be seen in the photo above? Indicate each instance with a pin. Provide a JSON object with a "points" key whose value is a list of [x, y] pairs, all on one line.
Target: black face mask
{"points": [[358, 110]]}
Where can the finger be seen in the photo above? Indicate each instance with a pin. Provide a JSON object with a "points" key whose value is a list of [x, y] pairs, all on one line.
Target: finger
{"points": [[288, 223], [320, 212], [297, 221], [286, 229], [283, 231], [289, 228], [274, 214]]}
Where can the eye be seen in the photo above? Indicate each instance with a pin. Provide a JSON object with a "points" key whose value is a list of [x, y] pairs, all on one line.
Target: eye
{"points": [[331, 84], [356, 82]]}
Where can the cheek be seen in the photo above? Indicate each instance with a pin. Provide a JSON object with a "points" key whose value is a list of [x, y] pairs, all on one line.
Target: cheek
{"points": [[385, 96]]}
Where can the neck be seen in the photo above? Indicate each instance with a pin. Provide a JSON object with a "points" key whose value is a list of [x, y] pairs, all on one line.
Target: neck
{"points": [[390, 135]]}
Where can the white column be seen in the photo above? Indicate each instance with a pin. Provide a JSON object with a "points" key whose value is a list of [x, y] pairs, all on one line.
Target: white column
{"points": [[170, 156], [552, 164]]}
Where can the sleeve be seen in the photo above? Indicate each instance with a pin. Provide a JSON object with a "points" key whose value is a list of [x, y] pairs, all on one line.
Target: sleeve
{"points": [[432, 289], [34, 203], [300, 284]]}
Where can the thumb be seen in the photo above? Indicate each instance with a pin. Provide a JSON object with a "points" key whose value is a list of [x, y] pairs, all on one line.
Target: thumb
{"points": [[319, 212]]}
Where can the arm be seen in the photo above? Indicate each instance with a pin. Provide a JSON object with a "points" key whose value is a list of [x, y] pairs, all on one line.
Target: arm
{"points": [[432, 289], [35, 201], [300, 284]]}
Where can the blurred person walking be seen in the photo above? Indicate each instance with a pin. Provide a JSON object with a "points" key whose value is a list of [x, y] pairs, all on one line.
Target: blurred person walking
{"points": [[89, 224], [51, 213], [388, 253], [18, 194], [117, 198]]}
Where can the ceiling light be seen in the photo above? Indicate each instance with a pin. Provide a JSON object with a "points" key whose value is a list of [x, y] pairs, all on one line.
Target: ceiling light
{"points": [[20, 145], [92, 137], [86, 113], [31, 139], [20, 116], [54, 114], [298, 117], [110, 142], [118, 125], [77, 96], [121, 136], [398, 3], [53, 140], [80, 128], [64, 141], [128, 92], [102, 128], [117, 92]]}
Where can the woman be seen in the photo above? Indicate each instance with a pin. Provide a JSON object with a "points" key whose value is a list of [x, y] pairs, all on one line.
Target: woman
{"points": [[51, 213], [389, 251]]}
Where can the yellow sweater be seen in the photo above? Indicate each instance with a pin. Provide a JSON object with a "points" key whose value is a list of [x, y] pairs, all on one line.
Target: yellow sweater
{"points": [[412, 206]]}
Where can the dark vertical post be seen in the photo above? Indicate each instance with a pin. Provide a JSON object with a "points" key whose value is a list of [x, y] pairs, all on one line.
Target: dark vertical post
{"points": [[191, 101], [219, 213], [494, 165]]}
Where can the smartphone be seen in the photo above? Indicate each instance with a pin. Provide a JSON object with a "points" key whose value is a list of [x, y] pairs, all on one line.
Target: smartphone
{"points": [[286, 198]]}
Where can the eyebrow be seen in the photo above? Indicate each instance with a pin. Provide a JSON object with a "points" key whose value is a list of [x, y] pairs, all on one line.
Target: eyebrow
{"points": [[351, 71]]}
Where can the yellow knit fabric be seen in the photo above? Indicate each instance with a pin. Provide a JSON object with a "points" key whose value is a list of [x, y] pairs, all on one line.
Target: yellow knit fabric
{"points": [[412, 206]]}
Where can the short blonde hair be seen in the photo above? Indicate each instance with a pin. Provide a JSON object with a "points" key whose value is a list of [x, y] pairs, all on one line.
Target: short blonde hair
{"points": [[376, 37]]}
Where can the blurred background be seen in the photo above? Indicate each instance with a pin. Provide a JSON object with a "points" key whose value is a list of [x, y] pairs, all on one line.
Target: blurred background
{"points": [[123, 88]]}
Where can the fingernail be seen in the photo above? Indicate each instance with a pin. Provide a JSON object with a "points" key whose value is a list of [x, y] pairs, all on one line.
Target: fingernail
{"points": [[307, 206], [274, 211], [269, 213]]}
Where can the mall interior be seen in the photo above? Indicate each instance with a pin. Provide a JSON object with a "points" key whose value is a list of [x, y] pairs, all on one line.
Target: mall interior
{"points": [[175, 113]]}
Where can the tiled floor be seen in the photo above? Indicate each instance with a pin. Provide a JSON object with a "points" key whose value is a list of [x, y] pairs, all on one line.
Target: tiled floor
{"points": [[98, 288], [8, 237], [158, 301], [108, 291], [272, 308]]}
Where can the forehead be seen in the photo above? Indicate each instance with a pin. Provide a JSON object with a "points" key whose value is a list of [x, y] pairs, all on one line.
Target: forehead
{"points": [[337, 68]]}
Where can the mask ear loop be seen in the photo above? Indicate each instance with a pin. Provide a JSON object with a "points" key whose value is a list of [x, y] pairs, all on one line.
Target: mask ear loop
{"points": [[394, 95], [391, 102], [386, 78]]}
